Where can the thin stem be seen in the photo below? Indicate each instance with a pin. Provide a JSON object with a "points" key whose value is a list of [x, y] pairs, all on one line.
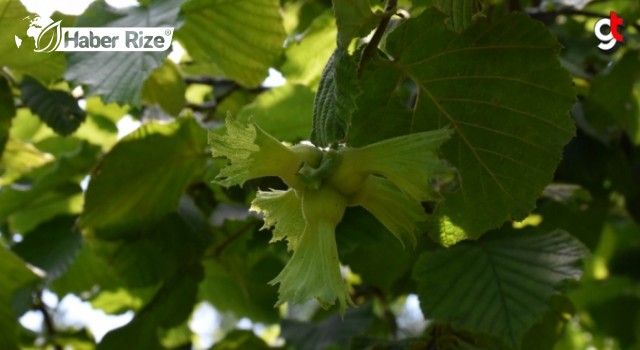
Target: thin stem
{"points": [[372, 46], [568, 11], [50, 328]]}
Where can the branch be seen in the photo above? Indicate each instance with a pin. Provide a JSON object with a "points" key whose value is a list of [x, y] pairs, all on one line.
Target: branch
{"points": [[50, 328], [372, 46], [569, 11]]}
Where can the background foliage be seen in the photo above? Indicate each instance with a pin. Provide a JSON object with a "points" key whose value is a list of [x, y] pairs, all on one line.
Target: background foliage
{"points": [[535, 245]]}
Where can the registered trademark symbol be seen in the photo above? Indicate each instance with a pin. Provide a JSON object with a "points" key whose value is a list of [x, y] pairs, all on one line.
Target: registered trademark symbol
{"points": [[167, 32]]}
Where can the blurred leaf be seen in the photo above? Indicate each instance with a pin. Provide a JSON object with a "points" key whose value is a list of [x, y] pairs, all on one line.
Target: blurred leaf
{"points": [[487, 86], [335, 100], [58, 109], [165, 88], [360, 236], [18, 159], [283, 112], [119, 76], [500, 285], [15, 275], [171, 306], [354, 18], [328, 333], [144, 257], [143, 176], [51, 246], [239, 340], [14, 21], [306, 57], [611, 101], [7, 111], [51, 177], [243, 37], [122, 299]]}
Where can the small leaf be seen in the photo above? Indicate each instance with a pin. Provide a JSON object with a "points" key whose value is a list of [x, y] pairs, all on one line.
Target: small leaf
{"points": [[306, 58], [165, 87], [354, 18], [314, 269], [500, 285], [51, 246], [58, 109], [252, 154], [282, 210], [243, 38], [335, 100], [283, 112]]}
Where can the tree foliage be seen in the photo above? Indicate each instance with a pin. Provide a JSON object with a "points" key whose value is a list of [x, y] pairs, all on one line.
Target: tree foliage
{"points": [[479, 156]]}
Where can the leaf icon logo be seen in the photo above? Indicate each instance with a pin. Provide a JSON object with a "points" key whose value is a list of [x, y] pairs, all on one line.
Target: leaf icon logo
{"points": [[49, 38]]}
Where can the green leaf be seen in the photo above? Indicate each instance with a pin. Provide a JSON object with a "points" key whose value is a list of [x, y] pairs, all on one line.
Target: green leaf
{"points": [[306, 57], [282, 210], [242, 37], [240, 340], [15, 275], [461, 12], [487, 86], [144, 257], [611, 101], [55, 176], [329, 333], [7, 111], [335, 100], [119, 76], [283, 112], [314, 269], [171, 306], [500, 285], [165, 88], [58, 109], [14, 23], [354, 18], [52, 246], [127, 192]]}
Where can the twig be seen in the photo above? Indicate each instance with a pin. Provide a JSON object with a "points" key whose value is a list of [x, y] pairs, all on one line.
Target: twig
{"points": [[372, 46], [569, 11], [50, 328]]}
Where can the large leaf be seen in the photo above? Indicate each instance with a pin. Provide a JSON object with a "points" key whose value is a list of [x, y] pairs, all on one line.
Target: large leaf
{"points": [[241, 37], [58, 109], [14, 21], [143, 176], [505, 96], [500, 285], [335, 100], [283, 112], [15, 275], [170, 307], [119, 76]]}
